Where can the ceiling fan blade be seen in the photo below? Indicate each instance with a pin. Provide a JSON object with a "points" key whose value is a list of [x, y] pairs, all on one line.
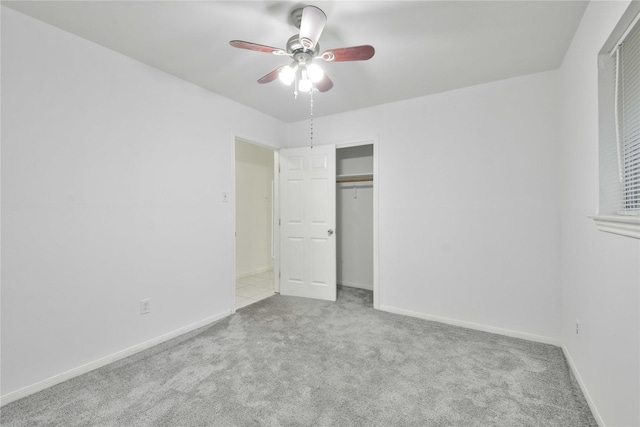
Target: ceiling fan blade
{"points": [[271, 76], [240, 44], [311, 26], [355, 53], [324, 84]]}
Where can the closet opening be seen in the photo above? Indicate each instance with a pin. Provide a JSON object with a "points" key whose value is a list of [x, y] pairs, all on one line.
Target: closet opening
{"points": [[355, 217]]}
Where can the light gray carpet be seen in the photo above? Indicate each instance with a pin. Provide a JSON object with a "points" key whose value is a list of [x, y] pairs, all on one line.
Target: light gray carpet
{"points": [[294, 362]]}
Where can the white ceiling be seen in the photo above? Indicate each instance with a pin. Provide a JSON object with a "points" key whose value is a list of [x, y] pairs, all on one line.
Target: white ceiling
{"points": [[422, 47]]}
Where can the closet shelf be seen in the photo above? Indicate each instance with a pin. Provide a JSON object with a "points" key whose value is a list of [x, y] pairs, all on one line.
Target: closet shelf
{"points": [[361, 177]]}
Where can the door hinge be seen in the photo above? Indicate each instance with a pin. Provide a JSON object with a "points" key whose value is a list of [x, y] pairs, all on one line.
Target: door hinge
{"points": [[279, 221]]}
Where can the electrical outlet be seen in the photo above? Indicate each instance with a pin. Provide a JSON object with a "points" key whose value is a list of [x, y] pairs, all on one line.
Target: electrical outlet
{"points": [[577, 326], [145, 305]]}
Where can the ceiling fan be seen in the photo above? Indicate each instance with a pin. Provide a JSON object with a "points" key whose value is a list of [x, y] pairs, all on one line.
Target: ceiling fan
{"points": [[303, 48]]}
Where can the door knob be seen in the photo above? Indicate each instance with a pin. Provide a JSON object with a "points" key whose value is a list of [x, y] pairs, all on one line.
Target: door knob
{"points": [[330, 232]]}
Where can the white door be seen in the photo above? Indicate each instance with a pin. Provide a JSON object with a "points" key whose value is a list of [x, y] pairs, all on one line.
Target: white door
{"points": [[308, 219]]}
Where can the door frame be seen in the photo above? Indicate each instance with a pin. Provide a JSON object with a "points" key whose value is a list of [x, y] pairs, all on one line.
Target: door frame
{"points": [[275, 213], [375, 141]]}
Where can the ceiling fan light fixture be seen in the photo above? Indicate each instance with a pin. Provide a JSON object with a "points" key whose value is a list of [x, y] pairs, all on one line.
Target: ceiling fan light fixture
{"points": [[315, 73], [287, 75], [303, 48], [304, 83]]}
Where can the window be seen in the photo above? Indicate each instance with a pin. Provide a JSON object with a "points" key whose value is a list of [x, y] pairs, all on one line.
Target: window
{"points": [[628, 117], [619, 120]]}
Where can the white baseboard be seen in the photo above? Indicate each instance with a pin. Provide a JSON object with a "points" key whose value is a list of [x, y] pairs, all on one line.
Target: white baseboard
{"points": [[472, 325], [356, 285], [254, 272], [57, 379], [585, 392]]}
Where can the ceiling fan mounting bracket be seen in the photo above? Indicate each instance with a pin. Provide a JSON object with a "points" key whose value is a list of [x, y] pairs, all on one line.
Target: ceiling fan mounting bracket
{"points": [[296, 17]]}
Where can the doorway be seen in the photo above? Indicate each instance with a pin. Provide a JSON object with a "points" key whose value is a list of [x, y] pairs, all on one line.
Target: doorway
{"points": [[355, 216], [254, 213]]}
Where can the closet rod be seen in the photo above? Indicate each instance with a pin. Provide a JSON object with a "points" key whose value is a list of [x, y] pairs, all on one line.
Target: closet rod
{"points": [[340, 181]]}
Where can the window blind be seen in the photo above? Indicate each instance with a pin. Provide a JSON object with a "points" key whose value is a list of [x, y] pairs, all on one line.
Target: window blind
{"points": [[619, 119], [628, 118]]}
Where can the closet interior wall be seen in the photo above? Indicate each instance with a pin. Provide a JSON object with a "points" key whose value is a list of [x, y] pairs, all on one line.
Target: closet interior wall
{"points": [[354, 216]]}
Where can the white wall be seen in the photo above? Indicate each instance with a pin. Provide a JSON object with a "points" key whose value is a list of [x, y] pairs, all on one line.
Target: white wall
{"points": [[600, 271], [112, 182], [254, 176], [468, 196], [354, 160]]}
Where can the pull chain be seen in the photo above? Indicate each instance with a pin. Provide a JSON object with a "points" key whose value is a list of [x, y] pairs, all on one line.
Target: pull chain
{"points": [[311, 117]]}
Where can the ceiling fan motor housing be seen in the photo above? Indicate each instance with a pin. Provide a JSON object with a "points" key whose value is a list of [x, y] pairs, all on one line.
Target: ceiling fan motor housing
{"points": [[299, 52]]}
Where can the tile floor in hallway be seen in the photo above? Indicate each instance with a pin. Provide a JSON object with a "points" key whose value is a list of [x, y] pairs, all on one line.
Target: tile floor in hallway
{"points": [[254, 288]]}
